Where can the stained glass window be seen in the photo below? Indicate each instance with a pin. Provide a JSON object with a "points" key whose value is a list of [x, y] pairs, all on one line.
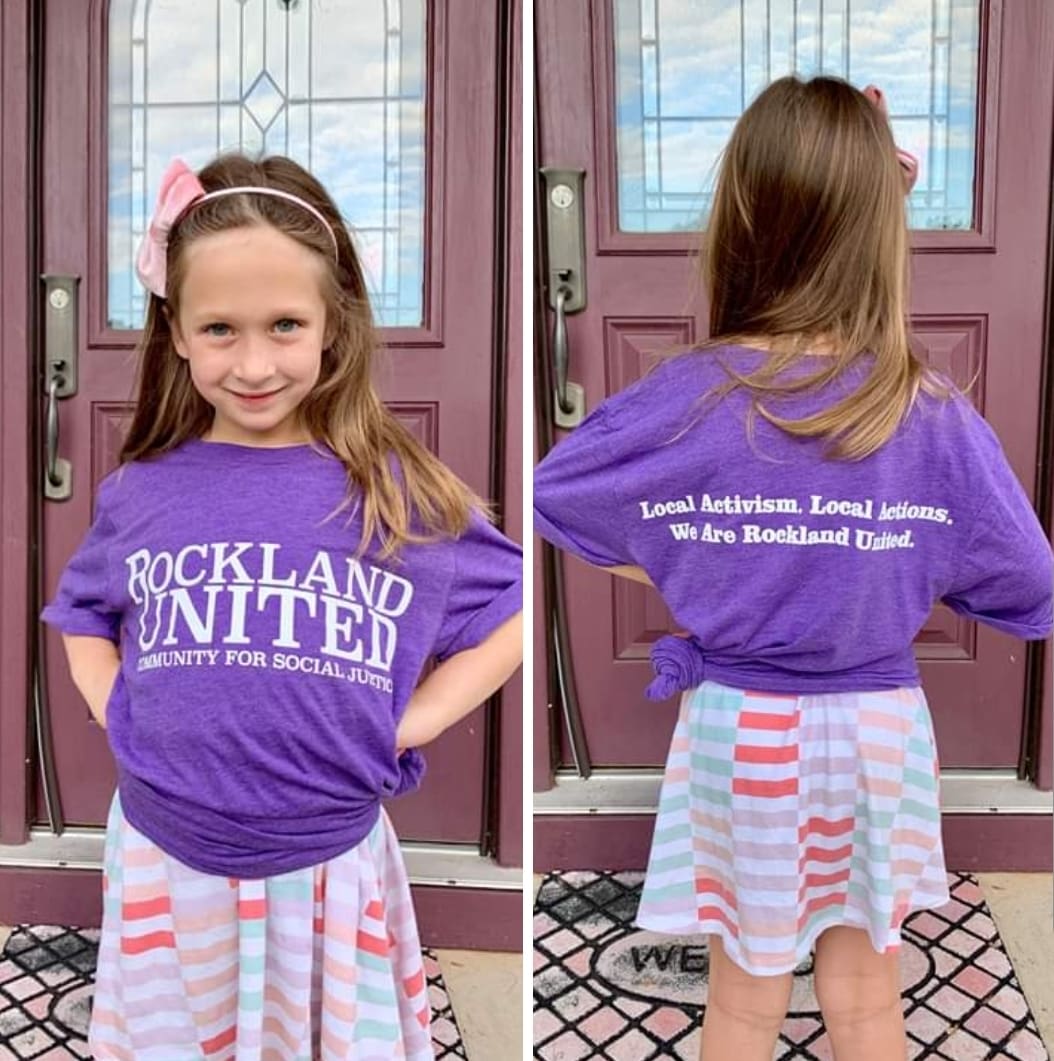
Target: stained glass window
{"points": [[337, 85], [686, 70]]}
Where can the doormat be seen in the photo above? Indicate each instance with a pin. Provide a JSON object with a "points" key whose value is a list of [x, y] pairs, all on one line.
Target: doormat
{"points": [[46, 974], [604, 989]]}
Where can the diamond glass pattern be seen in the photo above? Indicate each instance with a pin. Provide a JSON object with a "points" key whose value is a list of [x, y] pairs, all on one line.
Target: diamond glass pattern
{"points": [[339, 87]]}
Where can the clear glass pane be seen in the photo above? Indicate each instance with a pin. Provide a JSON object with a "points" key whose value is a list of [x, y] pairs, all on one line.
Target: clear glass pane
{"points": [[685, 71], [338, 86]]}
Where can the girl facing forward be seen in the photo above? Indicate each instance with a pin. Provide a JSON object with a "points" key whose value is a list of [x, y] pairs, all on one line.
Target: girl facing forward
{"points": [[829, 490], [265, 577]]}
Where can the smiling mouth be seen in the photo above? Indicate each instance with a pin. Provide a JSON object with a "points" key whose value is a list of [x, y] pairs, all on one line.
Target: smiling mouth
{"points": [[255, 397]]}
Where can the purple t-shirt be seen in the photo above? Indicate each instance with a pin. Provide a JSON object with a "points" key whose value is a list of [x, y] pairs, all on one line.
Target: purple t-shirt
{"points": [[263, 667], [795, 572]]}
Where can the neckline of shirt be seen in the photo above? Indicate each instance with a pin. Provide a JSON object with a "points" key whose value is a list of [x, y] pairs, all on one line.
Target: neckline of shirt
{"points": [[260, 455]]}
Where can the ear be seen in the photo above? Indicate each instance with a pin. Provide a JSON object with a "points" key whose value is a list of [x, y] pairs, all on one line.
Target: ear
{"points": [[177, 335]]}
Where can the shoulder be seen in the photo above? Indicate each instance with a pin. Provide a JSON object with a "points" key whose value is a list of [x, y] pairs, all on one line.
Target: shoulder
{"points": [[951, 421], [129, 477], [959, 445], [666, 391]]}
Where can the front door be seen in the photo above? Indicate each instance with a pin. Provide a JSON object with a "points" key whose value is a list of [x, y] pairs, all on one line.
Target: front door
{"points": [[359, 91], [646, 117]]}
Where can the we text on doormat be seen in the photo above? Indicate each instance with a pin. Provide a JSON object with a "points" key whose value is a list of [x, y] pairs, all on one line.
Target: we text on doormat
{"points": [[605, 990]]}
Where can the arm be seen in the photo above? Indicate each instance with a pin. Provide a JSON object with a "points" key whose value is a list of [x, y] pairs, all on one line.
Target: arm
{"points": [[635, 574], [460, 684], [94, 663]]}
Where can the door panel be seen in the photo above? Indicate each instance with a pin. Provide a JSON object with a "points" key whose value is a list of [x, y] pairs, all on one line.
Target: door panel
{"points": [[647, 118], [360, 91]]}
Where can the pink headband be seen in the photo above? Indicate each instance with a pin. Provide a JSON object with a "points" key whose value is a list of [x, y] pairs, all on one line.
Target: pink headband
{"points": [[180, 190], [908, 162]]}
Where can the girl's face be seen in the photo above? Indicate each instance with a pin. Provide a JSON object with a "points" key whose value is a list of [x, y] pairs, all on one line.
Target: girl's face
{"points": [[251, 325]]}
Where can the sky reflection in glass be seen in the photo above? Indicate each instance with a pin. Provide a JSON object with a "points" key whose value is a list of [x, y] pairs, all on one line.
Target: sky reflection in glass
{"points": [[686, 70], [338, 86]]}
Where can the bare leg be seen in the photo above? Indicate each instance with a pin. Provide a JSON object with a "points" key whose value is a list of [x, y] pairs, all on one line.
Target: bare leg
{"points": [[744, 1013], [859, 994]]}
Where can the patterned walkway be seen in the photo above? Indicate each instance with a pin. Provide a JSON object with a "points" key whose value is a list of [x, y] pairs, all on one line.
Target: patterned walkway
{"points": [[45, 996], [607, 991]]}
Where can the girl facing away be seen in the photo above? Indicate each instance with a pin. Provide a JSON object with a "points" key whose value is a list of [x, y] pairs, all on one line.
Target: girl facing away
{"points": [[266, 574], [801, 491]]}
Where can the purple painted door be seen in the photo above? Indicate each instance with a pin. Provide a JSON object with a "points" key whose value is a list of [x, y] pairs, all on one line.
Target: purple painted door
{"points": [[646, 114], [362, 92]]}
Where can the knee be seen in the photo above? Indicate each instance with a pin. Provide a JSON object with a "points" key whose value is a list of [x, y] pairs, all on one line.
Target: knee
{"points": [[849, 996], [755, 1001]]}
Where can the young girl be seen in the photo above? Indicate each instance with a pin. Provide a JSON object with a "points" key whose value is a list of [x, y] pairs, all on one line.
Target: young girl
{"points": [[265, 577], [802, 492]]}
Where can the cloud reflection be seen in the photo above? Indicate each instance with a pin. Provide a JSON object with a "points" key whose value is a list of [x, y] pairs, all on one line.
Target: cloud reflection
{"points": [[343, 95], [685, 71]]}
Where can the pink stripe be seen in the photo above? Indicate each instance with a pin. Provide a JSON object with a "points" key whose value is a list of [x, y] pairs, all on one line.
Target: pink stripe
{"points": [[766, 720], [881, 753], [886, 721]]}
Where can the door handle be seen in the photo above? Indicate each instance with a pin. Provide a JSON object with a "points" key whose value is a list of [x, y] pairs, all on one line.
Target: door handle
{"points": [[567, 282], [60, 348], [57, 473], [563, 403]]}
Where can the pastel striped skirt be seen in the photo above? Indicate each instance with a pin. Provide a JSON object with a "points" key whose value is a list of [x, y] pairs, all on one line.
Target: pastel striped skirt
{"points": [[783, 815], [320, 963]]}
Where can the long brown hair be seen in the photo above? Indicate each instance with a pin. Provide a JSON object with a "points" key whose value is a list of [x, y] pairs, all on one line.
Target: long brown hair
{"points": [[807, 242], [418, 498]]}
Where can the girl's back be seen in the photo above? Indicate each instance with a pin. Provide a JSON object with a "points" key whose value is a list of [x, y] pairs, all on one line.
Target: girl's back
{"points": [[794, 571], [801, 493]]}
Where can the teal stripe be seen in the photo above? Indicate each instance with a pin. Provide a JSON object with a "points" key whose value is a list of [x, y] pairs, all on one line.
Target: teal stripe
{"points": [[674, 803], [277, 888], [708, 731], [831, 913], [712, 795], [250, 1000], [251, 963], [371, 961], [876, 819], [919, 779], [674, 833], [720, 767], [374, 1029], [919, 747], [920, 810], [664, 865], [860, 871], [658, 892], [252, 929], [377, 995]]}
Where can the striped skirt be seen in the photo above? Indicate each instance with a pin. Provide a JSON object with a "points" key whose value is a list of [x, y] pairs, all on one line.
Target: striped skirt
{"points": [[320, 963], [783, 815]]}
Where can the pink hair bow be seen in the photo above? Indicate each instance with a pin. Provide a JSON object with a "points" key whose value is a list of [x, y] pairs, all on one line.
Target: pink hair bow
{"points": [[179, 188], [909, 164]]}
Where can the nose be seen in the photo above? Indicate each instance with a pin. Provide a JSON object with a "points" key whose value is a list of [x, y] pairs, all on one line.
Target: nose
{"points": [[254, 366]]}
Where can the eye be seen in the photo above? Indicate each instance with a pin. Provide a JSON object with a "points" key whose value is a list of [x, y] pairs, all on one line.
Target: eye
{"points": [[286, 326], [210, 329]]}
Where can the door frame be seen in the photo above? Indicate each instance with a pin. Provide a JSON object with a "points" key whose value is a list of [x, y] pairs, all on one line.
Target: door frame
{"points": [[40, 891], [571, 830]]}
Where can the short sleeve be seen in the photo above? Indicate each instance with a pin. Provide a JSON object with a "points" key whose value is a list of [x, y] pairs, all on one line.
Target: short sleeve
{"points": [[486, 587], [575, 494], [83, 603], [1006, 573]]}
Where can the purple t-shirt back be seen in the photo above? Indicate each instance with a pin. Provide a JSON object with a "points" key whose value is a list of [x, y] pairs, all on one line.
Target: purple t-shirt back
{"points": [[793, 571], [264, 668]]}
